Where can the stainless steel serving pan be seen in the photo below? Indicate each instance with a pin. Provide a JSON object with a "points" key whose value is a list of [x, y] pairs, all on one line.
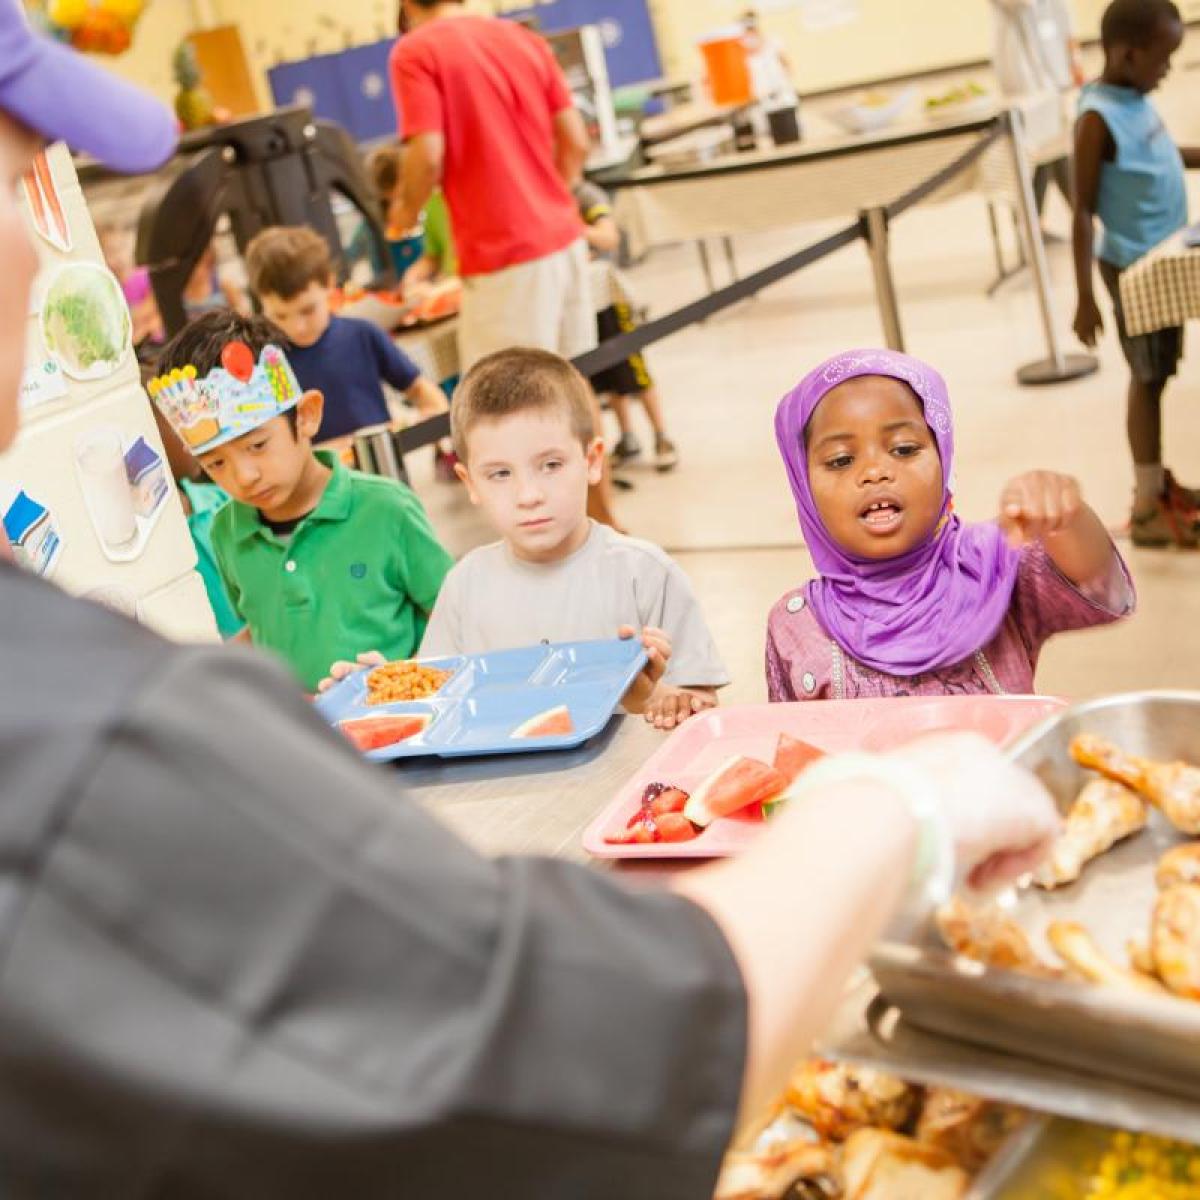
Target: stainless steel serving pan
{"points": [[1098, 1033]]}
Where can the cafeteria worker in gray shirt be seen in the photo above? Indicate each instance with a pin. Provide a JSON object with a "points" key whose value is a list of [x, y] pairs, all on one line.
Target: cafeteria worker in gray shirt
{"points": [[234, 962]]}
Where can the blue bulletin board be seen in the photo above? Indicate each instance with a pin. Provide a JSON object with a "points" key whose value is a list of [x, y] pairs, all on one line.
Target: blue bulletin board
{"points": [[350, 87], [630, 48]]}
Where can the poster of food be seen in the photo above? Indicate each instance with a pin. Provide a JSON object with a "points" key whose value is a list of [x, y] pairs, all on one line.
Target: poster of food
{"points": [[85, 320]]}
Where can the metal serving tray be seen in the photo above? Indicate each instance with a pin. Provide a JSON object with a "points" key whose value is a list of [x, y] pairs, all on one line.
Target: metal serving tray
{"points": [[1098, 1033], [868, 1031]]}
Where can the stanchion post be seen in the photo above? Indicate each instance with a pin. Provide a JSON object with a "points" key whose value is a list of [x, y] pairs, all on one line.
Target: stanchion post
{"points": [[706, 265], [1059, 367], [875, 224]]}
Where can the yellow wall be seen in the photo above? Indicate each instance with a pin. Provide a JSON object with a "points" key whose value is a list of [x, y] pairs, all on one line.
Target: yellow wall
{"points": [[892, 37], [163, 25], [272, 31], [275, 32]]}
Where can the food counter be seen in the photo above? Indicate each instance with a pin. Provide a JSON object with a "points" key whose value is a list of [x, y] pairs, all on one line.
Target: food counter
{"points": [[823, 178], [1053, 1127]]}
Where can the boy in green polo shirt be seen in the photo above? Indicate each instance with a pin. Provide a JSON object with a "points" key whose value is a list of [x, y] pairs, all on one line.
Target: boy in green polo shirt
{"points": [[318, 560]]}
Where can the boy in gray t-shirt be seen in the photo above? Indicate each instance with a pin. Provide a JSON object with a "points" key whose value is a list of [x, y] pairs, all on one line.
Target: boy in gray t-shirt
{"points": [[522, 427]]}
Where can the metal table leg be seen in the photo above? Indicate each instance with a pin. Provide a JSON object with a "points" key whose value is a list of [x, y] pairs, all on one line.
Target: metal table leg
{"points": [[727, 241], [885, 288], [706, 265]]}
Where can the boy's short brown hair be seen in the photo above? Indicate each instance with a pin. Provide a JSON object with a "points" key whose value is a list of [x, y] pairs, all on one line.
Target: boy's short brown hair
{"points": [[284, 260], [520, 380], [385, 166]]}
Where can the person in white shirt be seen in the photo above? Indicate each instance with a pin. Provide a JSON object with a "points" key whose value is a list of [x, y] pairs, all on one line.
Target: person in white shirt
{"points": [[1035, 50], [770, 70]]}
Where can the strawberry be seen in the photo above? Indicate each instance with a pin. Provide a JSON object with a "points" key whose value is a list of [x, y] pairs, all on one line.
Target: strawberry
{"points": [[671, 800], [675, 827]]}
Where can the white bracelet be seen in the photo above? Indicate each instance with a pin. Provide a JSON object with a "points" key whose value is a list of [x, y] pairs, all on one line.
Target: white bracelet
{"points": [[934, 869]]}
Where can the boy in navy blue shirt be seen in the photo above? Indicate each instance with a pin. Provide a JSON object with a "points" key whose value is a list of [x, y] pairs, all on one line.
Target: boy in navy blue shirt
{"points": [[345, 359]]}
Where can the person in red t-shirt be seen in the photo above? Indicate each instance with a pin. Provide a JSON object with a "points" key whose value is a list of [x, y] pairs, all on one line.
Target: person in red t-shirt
{"points": [[485, 113]]}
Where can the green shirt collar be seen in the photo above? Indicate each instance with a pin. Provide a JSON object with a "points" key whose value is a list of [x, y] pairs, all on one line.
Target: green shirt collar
{"points": [[334, 504]]}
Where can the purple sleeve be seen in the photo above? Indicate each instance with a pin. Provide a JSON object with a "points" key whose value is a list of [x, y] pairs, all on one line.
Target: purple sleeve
{"points": [[1046, 602], [395, 367]]}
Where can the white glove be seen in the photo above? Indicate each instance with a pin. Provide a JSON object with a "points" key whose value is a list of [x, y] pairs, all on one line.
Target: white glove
{"points": [[1002, 821], [983, 820]]}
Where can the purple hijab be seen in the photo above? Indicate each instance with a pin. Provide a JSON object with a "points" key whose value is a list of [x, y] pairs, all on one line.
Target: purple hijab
{"points": [[922, 611]]}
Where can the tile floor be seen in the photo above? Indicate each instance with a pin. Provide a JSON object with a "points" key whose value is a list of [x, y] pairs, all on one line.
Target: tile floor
{"points": [[726, 512]]}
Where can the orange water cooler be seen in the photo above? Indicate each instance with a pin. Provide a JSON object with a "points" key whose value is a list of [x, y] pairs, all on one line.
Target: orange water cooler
{"points": [[728, 71]]}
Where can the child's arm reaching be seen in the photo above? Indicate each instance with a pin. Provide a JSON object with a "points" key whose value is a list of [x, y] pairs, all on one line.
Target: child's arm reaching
{"points": [[603, 236], [417, 276], [1043, 506], [1093, 145], [428, 397]]}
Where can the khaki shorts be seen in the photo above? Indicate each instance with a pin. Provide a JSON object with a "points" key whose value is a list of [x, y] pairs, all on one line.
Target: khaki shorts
{"points": [[546, 303]]}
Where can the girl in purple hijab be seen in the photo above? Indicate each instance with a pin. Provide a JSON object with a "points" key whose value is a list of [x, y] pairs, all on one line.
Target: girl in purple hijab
{"points": [[910, 600]]}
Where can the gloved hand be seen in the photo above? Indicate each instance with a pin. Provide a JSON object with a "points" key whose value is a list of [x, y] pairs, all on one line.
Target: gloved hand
{"points": [[1001, 820]]}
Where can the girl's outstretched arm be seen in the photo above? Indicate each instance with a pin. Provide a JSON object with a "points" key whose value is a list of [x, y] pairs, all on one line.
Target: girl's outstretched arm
{"points": [[1043, 506]]}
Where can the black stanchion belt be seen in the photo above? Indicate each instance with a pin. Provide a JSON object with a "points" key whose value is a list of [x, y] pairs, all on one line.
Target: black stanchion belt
{"points": [[943, 177], [616, 350]]}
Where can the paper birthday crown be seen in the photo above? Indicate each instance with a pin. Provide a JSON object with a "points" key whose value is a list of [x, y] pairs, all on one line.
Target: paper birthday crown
{"points": [[231, 400]]}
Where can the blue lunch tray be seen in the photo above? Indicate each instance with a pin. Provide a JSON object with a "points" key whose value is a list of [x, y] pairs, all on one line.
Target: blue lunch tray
{"points": [[488, 696]]}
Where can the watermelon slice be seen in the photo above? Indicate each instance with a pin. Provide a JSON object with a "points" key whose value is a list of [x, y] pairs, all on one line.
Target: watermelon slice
{"points": [[792, 756], [554, 722], [374, 733], [792, 759], [737, 783]]}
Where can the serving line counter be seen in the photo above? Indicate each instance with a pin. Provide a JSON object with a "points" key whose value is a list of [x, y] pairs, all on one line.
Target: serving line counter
{"points": [[541, 804], [823, 178]]}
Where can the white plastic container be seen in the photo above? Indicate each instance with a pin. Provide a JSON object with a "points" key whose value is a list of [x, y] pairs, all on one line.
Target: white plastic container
{"points": [[100, 454]]}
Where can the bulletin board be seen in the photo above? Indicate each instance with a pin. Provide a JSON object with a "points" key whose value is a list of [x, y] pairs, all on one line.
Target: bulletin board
{"points": [[350, 87], [86, 495], [630, 44]]}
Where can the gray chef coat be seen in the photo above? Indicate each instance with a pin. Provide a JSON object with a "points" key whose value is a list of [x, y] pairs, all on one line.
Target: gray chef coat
{"points": [[235, 962]]}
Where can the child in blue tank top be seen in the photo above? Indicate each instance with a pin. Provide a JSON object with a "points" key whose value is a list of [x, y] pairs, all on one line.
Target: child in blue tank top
{"points": [[1129, 173]]}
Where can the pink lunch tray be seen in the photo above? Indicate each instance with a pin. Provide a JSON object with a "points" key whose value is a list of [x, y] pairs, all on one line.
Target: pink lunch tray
{"points": [[708, 739]]}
